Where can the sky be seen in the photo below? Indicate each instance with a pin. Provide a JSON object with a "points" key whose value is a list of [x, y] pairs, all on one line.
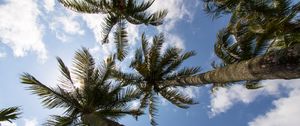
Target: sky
{"points": [[34, 32]]}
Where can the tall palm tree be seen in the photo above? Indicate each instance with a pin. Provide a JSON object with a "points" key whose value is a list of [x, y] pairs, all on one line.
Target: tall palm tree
{"points": [[281, 64], [152, 67], [9, 114], [256, 28], [260, 42], [86, 94], [257, 25], [119, 12]]}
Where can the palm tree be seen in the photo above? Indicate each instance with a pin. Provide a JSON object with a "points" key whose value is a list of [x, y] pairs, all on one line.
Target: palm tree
{"points": [[260, 42], [152, 67], [86, 94], [256, 28], [259, 24], [9, 114], [282, 64], [119, 12]]}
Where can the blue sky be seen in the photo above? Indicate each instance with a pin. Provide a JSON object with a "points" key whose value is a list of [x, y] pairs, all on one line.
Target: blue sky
{"points": [[34, 32]]}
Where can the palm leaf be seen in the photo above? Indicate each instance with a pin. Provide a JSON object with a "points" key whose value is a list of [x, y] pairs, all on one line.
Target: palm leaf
{"points": [[121, 40], [83, 6], [153, 109], [9, 114]]}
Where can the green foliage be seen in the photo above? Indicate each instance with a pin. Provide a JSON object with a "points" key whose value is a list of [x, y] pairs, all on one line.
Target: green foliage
{"points": [[153, 68], [118, 13], [9, 114], [256, 27], [86, 89]]}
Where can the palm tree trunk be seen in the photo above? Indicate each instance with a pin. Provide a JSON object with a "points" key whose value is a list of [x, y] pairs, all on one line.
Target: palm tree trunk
{"points": [[94, 120], [283, 64]]}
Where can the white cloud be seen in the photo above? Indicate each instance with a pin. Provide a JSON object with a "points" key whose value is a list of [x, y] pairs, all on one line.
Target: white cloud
{"points": [[176, 11], [49, 5], [174, 40], [20, 30], [6, 123], [66, 24], [27, 122], [94, 22], [69, 24], [225, 98], [31, 122], [285, 113]]}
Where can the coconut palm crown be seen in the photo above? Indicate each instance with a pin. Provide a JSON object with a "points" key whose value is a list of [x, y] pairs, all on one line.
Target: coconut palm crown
{"points": [[9, 114], [152, 67], [119, 12], [256, 28], [85, 93]]}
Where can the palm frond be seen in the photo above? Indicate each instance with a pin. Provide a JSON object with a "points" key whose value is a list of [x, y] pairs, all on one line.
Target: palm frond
{"points": [[157, 18], [9, 114], [145, 47], [121, 40], [153, 109], [154, 52], [177, 62], [52, 98], [84, 6], [110, 21], [170, 55], [177, 97], [126, 78], [133, 6], [56, 120]]}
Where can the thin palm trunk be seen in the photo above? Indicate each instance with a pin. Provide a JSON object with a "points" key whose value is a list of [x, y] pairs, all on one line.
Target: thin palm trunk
{"points": [[94, 120], [283, 64]]}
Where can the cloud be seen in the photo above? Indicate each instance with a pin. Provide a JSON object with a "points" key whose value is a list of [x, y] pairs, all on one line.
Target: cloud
{"points": [[31, 122], [20, 30], [94, 22], [225, 98], [66, 24], [176, 11], [6, 123], [286, 111], [28, 122], [49, 5], [174, 40]]}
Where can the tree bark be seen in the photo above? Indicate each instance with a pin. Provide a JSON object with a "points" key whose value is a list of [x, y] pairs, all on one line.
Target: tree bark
{"points": [[282, 64], [94, 120]]}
